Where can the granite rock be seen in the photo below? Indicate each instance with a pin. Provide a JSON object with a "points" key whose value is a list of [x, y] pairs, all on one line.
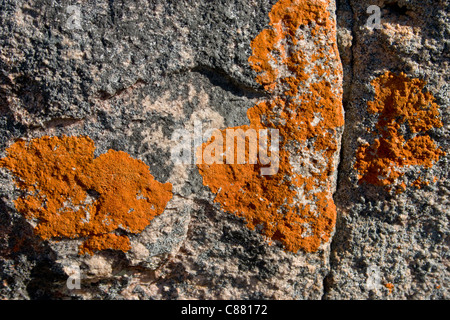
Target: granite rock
{"points": [[130, 75]]}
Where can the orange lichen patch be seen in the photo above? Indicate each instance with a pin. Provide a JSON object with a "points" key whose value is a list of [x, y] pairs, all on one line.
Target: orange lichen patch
{"points": [[272, 47], [105, 241], [295, 205], [419, 183], [69, 194], [403, 108], [389, 286]]}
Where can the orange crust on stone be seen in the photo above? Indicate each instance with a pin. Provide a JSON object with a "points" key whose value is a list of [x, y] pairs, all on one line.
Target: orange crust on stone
{"points": [[69, 194], [271, 203]]}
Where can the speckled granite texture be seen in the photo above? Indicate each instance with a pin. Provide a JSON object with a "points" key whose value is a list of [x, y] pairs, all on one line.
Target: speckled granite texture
{"points": [[358, 208]]}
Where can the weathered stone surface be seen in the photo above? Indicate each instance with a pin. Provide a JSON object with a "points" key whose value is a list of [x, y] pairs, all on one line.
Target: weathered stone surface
{"points": [[392, 245], [131, 75]]}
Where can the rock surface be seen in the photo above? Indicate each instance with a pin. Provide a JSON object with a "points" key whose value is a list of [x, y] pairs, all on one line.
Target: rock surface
{"points": [[401, 238], [138, 76]]}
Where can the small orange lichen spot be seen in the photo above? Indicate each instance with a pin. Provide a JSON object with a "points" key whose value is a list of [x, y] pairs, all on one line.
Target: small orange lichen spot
{"points": [[295, 205], [419, 183], [403, 109], [389, 286], [401, 188], [69, 194]]}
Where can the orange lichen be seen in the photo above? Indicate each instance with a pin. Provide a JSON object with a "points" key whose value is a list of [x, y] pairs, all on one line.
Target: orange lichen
{"points": [[389, 286], [69, 194], [403, 108], [418, 183], [291, 207]]}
